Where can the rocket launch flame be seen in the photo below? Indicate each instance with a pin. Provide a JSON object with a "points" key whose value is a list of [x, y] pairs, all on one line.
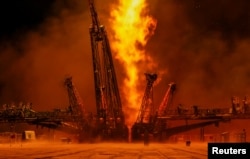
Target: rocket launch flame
{"points": [[132, 26]]}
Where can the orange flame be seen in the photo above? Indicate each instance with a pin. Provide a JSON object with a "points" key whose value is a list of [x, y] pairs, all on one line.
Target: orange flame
{"points": [[132, 27]]}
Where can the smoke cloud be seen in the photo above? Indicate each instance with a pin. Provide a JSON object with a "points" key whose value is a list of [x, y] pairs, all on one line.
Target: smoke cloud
{"points": [[203, 46], [33, 70]]}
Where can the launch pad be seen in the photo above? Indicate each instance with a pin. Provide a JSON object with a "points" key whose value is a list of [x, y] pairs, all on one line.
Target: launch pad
{"points": [[109, 122], [104, 151]]}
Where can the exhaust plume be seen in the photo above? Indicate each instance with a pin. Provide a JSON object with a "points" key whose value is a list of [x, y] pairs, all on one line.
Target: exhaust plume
{"points": [[132, 27]]}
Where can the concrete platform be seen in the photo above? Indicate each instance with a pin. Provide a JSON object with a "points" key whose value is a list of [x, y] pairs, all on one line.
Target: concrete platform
{"points": [[102, 151]]}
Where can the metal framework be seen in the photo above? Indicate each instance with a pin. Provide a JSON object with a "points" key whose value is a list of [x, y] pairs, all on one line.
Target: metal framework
{"points": [[108, 102], [160, 124], [77, 109], [167, 100], [143, 124], [110, 123], [145, 113]]}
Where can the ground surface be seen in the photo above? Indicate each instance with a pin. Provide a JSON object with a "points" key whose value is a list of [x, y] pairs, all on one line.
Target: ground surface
{"points": [[102, 151]]}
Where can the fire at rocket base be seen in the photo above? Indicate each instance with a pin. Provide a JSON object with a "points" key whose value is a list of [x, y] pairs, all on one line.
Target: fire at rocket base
{"points": [[132, 26]]}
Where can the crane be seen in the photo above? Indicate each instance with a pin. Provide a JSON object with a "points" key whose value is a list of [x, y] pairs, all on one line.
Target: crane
{"points": [[160, 124], [108, 102], [143, 122], [76, 108], [166, 102], [146, 105]]}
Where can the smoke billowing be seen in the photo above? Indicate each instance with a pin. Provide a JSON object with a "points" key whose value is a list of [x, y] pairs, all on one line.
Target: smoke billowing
{"points": [[203, 46], [34, 65]]}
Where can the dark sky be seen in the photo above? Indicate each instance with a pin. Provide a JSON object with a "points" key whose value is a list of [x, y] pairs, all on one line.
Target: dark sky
{"points": [[20, 16], [202, 45]]}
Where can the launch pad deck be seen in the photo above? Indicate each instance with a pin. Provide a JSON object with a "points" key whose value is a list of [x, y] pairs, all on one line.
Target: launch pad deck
{"points": [[104, 151]]}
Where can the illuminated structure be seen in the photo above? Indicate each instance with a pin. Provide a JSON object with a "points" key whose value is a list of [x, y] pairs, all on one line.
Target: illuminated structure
{"points": [[145, 111], [110, 122], [144, 119], [77, 110], [159, 124]]}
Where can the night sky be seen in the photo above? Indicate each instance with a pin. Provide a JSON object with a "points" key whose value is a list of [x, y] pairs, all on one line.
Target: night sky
{"points": [[18, 17], [202, 45]]}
